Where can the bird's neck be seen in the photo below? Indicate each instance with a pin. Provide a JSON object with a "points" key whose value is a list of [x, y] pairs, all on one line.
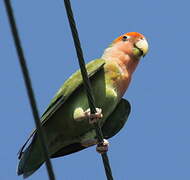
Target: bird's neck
{"points": [[127, 63]]}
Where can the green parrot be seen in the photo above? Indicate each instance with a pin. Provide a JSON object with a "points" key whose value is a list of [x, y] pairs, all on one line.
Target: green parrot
{"points": [[66, 120]]}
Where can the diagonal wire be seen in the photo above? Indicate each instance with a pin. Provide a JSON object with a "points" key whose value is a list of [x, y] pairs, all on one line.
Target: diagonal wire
{"points": [[28, 85], [87, 84]]}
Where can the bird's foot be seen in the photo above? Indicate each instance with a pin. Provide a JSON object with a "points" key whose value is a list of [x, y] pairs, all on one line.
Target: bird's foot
{"points": [[80, 115], [93, 118], [102, 147]]}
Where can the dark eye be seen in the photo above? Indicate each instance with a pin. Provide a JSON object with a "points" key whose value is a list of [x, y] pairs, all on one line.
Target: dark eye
{"points": [[124, 38]]}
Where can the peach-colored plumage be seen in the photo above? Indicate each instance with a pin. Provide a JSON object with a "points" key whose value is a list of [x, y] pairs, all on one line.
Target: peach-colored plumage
{"points": [[124, 51]]}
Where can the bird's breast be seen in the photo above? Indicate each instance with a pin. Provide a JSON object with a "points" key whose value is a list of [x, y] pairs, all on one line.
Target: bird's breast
{"points": [[118, 77]]}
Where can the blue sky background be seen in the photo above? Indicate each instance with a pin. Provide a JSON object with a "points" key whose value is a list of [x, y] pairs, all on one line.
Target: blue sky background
{"points": [[155, 142]]}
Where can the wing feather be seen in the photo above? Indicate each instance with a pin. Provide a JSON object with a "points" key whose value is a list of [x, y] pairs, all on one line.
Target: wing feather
{"points": [[70, 85]]}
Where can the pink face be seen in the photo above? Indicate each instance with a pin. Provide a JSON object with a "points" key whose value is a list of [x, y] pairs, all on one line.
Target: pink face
{"points": [[133, 44]]}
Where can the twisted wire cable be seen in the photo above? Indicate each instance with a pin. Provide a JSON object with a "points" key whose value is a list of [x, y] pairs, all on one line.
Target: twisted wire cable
{"points": [[29, 88], [86, 83]]}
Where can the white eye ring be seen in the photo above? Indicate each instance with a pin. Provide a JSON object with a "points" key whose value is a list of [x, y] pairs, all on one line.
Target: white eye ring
{"points": [[125, 38]]}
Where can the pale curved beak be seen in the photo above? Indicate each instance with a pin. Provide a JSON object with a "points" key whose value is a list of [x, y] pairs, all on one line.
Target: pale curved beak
{"points": [[142, 45]]}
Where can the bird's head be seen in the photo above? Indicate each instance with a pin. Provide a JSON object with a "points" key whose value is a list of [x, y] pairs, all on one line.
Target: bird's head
{"points": [[134, 44]]}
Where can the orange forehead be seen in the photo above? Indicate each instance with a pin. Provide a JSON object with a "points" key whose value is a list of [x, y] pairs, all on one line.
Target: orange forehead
{"points": [[131, 34]]}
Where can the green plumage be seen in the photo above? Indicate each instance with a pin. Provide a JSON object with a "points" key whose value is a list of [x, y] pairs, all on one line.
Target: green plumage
{"points": [[64, 134]]}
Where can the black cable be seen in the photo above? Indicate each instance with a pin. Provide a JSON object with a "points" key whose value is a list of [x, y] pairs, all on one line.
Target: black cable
{"points": [[29, 88], [86, 83]]}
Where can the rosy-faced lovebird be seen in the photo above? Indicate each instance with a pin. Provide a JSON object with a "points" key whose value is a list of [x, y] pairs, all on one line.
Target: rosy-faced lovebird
{"points": [[66, 121]]}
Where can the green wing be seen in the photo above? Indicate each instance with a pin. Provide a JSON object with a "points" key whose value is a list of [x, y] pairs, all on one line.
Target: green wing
{"points": [[117, 119], [65, 91], [113, 124], [70, 86]]}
